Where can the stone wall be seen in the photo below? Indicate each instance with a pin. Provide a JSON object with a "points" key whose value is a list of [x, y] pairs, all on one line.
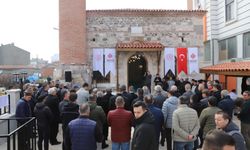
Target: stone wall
{"points": [[80, 73], [172, 29], [106, 31]]}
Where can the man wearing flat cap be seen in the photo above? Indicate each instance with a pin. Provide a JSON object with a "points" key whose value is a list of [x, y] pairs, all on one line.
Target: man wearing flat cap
{"points": [[23, 111]]}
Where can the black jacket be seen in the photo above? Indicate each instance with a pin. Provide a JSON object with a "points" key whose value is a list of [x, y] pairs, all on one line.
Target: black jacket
{"points": [[69, 112], [43, 115], [227, 105], [53, 103], [112, 99], [105, 102], [144, 137]]}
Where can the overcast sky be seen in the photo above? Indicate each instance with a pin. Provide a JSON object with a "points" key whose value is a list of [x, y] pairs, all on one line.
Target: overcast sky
{"points": [[31, 24]]}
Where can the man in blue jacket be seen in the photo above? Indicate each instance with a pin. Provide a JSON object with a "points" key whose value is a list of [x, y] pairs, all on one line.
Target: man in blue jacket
{"points": [[23, 111], [82, 133], [224, 122]]}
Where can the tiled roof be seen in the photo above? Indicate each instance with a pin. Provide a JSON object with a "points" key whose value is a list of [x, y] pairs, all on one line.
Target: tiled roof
{"points": [[140, 45], [232, 68], [144, 12]]}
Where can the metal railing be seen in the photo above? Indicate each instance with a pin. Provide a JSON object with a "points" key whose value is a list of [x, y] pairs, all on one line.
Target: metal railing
{"points": [[27, 128]]}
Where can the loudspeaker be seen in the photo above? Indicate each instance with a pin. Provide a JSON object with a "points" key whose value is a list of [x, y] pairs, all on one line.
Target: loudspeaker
{"points": [[68, 76]]}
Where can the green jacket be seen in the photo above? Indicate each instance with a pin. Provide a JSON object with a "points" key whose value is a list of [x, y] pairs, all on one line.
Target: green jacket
{"points": [[97, 114], [207, 122]]}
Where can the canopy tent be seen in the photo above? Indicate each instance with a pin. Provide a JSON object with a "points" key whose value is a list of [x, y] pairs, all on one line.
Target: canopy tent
{"points": [[234, 69]]}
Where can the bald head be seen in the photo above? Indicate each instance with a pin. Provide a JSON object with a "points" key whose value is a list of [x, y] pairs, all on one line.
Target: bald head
{"points": [[84, 109], [174, 88]]}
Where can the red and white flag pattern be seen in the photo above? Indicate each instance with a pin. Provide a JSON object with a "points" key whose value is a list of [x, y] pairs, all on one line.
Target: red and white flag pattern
{"points": [[182, 60]]}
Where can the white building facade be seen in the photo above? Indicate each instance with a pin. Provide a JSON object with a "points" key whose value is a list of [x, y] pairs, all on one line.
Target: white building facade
{"points": [[228, 30]]}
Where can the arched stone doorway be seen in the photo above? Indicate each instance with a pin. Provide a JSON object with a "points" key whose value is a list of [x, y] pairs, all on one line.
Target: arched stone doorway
{"points": [[137, 66]]}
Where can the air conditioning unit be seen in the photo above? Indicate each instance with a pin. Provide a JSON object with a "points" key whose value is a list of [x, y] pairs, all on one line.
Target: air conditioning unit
{"points": [[235, 59]]}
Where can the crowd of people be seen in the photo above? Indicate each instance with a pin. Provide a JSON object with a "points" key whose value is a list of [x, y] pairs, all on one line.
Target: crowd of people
{"points": [[182, 114]]}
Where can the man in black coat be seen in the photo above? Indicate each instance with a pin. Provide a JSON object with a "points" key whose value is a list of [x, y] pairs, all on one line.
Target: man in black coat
{"points": [[144, 137], [112, 105], [104, 103], [129, 97], [44, 117], [70, 111], [52, 102]]}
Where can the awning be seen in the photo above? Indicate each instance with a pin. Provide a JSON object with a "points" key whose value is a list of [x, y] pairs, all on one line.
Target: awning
{"points": [[139, 46], [238, 69]]}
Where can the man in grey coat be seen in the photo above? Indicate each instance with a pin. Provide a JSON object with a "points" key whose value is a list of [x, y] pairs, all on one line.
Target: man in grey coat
{"points": [[185, 125], [169, 106]]}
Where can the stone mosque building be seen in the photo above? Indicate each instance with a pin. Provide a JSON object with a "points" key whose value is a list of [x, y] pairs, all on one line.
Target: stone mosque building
{"points": [[136, 39]]}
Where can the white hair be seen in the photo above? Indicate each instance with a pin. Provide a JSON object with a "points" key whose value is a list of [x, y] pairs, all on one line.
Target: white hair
{"points": [[99, 94], [173, 88], [145, 90], [224, 93], [158, 88], [52, 90]]}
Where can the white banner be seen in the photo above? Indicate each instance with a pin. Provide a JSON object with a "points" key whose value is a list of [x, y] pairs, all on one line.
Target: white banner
{"points": [[193, 61], [110, 59], [4, 101], [98, 60], [169, 58]]}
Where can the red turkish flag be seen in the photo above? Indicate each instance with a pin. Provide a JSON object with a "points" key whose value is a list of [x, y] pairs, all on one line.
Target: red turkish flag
{"points": [[182, 60]]}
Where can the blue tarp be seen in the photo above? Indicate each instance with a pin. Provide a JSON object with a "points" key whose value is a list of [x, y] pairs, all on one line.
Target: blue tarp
{"points": [[33, 78]]}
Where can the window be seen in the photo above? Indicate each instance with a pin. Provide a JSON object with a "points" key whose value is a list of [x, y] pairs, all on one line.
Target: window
{"points": [[207, 51], [222, 50], [230, 10], [246, 45], [136, 30], [228, 49], [232, 48]]}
